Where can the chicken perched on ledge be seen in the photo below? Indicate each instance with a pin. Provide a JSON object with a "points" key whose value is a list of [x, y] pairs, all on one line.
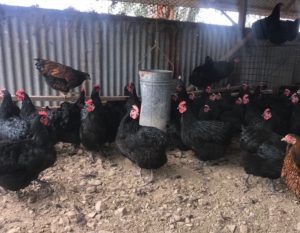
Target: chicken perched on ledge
{"points": [[60, 77], [291, 167]]}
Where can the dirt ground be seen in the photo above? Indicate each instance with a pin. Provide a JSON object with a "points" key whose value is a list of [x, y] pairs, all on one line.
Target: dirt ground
{"points": [[108, 196]]}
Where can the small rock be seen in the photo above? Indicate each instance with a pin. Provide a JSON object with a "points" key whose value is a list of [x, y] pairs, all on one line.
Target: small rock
{"points": [[111, 173], [91, 189], [60, 221], [92, 214], [80, 152], [298, 226], [82, 183], [177, 218], [121, 211], [95, 182], [243, 229], [91, 224], [172, 226], [71, 214], [100, 206], [231, 228], [14, 230], [68, 229], [189, 224]]}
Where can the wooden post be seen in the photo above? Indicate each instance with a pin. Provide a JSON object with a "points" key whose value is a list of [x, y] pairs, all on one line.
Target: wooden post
{"points": [[242, 15]]}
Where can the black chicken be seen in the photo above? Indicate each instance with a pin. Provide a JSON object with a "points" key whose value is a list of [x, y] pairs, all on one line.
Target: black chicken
{"points": [[263, 152], [144, 146], [276, 30], [207, 139], [212, 71], [22, 161], [8, 108], [28, 110], [94, 127], [65, 121], [263, 28], [60, 77], [12, 127]]}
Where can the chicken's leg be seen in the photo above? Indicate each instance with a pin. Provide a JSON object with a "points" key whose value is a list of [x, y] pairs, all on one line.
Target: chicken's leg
{"points": [[3, 191], [272, 183], [247, 184], [92, 157]]}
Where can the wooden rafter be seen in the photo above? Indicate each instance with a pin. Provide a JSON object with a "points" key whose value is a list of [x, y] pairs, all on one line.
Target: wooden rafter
{"points": [[228, 17]]}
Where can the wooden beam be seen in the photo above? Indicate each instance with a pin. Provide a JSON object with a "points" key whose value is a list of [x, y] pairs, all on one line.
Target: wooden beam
{"points": [[242, 15], [228, 17], [288, 6], [72, 98]]}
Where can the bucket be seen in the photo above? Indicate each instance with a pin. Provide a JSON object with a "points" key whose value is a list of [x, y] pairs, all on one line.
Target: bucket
{"points": [[156, 88]]}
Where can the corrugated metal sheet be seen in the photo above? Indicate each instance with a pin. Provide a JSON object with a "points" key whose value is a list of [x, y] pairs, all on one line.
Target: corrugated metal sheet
{"points": [[111, 48]]}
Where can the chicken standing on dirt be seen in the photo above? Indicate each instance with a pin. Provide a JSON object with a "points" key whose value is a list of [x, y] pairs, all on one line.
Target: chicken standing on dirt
{"points": [[60, 77], [144, 146], [207, 139], [65, 121], [291, 167], [21, 161], [263, 152], [94, 127]]}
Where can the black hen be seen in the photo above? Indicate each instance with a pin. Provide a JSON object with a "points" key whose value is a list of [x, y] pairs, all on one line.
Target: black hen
{"points": [[263, 152], [28, 110], [65, 122], [263, 28], [94, 127], [12, 127], [8, 108], [144, 146], [207, 139], [22, 161], [211, 72]]}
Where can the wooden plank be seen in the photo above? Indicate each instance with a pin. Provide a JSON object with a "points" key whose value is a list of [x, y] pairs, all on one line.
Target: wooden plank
{"points": [[228, 17], [242, 15], [73, 98]]}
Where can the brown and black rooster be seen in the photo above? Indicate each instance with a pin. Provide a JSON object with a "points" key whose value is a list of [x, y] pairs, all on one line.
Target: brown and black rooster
{"points": [[60, 77]]}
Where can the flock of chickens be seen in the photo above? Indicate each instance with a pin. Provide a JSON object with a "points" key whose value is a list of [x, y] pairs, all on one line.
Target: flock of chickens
{"points": [[267, 125], [206, 125]]}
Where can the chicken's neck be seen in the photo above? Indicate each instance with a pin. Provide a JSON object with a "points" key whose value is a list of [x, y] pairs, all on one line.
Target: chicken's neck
{"points": [[6, 109], [27, 107]]}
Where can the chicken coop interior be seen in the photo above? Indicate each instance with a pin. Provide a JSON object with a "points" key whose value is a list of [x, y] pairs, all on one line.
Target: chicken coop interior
{"points": [[201, 97], [161, 35]]}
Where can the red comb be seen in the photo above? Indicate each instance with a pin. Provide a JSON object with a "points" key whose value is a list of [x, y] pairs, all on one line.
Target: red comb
{"points": [[43, 113], [88, 102]]}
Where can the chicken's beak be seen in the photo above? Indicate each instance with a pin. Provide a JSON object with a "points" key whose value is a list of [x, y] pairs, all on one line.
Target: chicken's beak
{"points": [[283, 139]]}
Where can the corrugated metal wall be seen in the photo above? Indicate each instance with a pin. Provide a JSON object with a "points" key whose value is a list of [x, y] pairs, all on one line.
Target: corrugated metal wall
{"points": [[111, 48]]}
